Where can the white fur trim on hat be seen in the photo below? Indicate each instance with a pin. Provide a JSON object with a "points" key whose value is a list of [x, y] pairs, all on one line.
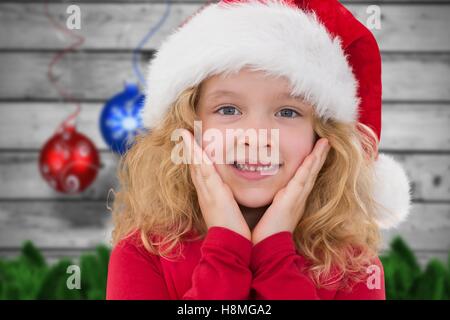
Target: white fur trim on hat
{"points": [[274, 37], [392, 191]]}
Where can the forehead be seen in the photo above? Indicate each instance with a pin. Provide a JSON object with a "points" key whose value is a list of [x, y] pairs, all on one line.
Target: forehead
{"points": [[219, 93], [246, 81]]}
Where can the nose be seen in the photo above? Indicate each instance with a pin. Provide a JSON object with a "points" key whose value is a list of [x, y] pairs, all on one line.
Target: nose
{"points": [[257, 132], [261, 140]]}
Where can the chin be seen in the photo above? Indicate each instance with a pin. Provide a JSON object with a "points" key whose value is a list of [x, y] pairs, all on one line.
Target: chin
{"points": [[253, 197]]}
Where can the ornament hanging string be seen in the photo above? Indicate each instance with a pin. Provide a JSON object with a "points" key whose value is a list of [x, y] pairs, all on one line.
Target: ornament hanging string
{"points": [[152, 31], [56, 58]]}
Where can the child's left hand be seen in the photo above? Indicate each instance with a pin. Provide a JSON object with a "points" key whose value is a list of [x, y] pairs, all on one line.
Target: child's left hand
{"points": [[288, 204]]}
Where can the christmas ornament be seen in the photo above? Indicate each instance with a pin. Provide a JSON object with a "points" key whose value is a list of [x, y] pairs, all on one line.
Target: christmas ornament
{"points": [[69, 161], [120, 120]]}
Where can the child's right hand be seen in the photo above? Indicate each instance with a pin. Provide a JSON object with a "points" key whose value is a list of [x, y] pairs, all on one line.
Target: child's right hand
{"points": [[216, 200]]}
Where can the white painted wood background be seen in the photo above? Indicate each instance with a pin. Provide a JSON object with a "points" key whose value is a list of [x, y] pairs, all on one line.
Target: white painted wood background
{"points": [[415, 44]]}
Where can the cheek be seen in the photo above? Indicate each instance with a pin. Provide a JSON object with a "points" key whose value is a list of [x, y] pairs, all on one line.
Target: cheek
{"points": [[294, 150], [216, 149], [213, 142]]}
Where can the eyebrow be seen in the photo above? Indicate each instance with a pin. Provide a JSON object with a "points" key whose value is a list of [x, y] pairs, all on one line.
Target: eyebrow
{"points": [[288, 95], [219, 93]]}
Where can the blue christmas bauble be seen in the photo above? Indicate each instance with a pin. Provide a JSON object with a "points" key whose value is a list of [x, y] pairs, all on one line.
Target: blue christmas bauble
{"points": [[120, 120]]}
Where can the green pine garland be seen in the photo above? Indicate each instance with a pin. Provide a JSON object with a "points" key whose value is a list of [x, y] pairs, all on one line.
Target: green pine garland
{"points": [[404, 279], [29, 276]]}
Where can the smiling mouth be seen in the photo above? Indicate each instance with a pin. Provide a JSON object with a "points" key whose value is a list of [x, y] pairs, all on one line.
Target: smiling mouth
{"points": [[256, 168]]}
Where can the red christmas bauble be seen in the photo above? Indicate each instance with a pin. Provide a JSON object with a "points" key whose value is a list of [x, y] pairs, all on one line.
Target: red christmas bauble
{"points": [[69, 161]]}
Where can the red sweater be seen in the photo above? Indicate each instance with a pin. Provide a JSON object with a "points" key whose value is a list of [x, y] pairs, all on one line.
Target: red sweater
{"points": [[223, 265]]}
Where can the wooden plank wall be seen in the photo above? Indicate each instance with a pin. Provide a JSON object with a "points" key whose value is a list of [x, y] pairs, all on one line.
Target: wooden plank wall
{"points": [[416, 112]]}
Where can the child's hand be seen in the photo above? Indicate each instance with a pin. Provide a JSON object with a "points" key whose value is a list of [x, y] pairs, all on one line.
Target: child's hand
{"points": [[288, 204], [217, 203]]}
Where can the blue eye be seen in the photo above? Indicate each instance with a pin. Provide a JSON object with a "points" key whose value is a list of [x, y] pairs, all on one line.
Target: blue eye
{"points": [[288, 113], [228, 111]]}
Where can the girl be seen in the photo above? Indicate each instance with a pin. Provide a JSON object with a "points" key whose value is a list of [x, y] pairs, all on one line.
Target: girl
{"points": [[221, 224]]}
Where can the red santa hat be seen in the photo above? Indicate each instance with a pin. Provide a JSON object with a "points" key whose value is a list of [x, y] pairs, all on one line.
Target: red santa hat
{"points": [[329, 57]]}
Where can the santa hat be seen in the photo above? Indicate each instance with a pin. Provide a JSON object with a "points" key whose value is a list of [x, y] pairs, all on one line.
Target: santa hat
{"points": [[330, 59]]}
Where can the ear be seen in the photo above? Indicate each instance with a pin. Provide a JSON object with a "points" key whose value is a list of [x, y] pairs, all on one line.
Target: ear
{"points": [[391, 192]]}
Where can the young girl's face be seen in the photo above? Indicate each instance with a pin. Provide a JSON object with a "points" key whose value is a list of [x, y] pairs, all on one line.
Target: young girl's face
{"points": [[255, 101]]}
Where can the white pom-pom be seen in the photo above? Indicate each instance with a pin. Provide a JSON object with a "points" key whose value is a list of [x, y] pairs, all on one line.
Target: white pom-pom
{"points": [[391, 191]]}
